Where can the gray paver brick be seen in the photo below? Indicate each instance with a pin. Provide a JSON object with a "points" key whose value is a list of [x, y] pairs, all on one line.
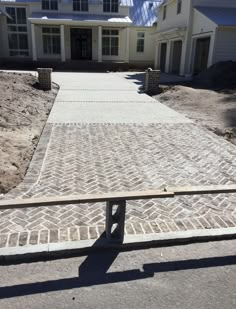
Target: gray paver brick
{"points": [[85, 159], [34, 235]]}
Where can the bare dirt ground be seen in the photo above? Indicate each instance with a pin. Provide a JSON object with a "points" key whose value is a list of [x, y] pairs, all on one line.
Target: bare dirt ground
{"points": [[213, 109], [24, 111]]}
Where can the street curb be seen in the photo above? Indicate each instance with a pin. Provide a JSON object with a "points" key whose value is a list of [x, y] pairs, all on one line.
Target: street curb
{"points": [[131, 242]]}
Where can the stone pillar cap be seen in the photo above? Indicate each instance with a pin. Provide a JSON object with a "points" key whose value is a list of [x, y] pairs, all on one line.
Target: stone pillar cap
{"points": [[45, 69]]}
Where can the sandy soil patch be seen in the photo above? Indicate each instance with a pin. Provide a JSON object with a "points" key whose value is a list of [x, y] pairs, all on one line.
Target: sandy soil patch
{"points": [[214, 109], [24, 111]]}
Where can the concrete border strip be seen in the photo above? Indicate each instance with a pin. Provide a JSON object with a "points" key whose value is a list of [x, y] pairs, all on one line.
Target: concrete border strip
{"points": [[64, 249]]}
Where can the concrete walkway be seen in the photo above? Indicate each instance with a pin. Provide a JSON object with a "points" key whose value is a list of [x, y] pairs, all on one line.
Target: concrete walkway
{"points": [[104, 136]]}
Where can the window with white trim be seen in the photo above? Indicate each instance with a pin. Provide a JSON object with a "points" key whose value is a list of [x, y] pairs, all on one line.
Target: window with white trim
{"points": [[110, 6], [51, 5], [17, 31], [110, 42], [164, 12], [140, 42], [80, 5], [179, 6], [51, 40]]}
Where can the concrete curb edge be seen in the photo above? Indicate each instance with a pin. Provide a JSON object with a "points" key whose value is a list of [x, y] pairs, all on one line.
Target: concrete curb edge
{"points": [[65, 249]]}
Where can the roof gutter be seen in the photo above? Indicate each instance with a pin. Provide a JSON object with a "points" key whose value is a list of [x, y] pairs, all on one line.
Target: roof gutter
{"points": [[48, 21]]}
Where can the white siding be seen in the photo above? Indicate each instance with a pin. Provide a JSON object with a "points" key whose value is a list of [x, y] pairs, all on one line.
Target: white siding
{"points": [[149, 48], [174, 20], [201, 24], [67, 8], [225, 46]]}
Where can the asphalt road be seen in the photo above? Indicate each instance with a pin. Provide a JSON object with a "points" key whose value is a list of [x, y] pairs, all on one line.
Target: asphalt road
{"points": [[191, 276]]}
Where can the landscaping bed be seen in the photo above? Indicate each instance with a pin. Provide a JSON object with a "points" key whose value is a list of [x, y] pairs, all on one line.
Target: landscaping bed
{"points": [[24, 112]]}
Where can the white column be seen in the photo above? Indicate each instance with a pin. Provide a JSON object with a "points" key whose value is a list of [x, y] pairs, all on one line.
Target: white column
{"points": [[168, 57], [63, 54], [183, 56], [34, 52], [99, 43], [127, 45], [211, 48], [156, 62]]}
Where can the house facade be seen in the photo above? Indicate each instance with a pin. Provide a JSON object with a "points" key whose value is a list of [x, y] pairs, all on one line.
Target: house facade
{"points": [[65, 30], [194, 34]]}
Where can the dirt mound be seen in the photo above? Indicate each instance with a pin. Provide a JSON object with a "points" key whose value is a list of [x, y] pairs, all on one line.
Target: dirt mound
{"points": [[220, 75], [23, 112], [211, 108]]}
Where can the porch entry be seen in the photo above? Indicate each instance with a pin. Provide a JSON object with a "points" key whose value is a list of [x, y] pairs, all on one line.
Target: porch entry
{"points": [[201, 54], [81, 44]]}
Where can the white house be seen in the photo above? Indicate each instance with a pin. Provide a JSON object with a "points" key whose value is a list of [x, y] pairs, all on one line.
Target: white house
{"points": [[65, 30], [194, 34]]}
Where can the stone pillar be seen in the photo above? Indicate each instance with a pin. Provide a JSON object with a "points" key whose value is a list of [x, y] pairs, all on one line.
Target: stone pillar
{"points": [[34, 53], [152, 80], [63, 53], [127, 45], [44, 78], [99, 43]]}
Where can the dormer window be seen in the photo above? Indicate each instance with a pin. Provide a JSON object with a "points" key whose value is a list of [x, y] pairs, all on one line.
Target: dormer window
{"points": [[164, 12], [49, 5], [179, 6], [80, 5], [110, 6]]}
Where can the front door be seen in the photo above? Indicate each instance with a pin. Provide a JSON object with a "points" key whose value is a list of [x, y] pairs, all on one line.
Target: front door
{"points": [[81, 44], [163, 57], [201, 54]]}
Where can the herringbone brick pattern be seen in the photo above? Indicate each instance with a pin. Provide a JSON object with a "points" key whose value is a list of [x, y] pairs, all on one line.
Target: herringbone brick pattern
{"points": [[104, 158]]}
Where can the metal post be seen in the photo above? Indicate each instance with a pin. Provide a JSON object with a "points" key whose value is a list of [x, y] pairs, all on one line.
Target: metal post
{"points": [[115, 220]]}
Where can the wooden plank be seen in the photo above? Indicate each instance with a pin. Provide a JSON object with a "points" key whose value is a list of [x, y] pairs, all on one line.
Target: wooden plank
{"points": [[169, 192], [195, 190], [79, 199]]}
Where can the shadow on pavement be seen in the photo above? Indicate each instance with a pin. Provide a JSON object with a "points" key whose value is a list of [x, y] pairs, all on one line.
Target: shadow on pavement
{"points": [[94, 271]]}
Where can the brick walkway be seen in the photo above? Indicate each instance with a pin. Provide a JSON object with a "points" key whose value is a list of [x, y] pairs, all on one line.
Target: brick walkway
{"points": [[78, 158]]}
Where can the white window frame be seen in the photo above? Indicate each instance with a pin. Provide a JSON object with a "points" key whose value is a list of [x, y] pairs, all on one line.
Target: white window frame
{"points": [[80, 5], [109, 6], [18, 52], [49, 36], [140, 39], [164, 12], [110, 36], [51, 4], [179, 7]]}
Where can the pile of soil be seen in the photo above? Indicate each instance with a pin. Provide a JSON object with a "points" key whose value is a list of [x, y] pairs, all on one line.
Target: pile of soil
{"points": [[24, 111], [219, 75], [213, 109]]}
